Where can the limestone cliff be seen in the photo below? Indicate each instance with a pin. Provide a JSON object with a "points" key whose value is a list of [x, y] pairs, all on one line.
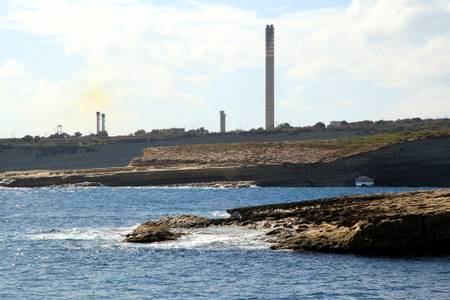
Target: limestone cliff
{"points": [[423, 162]]}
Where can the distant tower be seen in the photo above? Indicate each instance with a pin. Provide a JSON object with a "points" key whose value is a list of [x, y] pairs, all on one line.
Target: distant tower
{"points": [[103, 123], [98, 122], [59, 130], [270, 77], [223, 121]]}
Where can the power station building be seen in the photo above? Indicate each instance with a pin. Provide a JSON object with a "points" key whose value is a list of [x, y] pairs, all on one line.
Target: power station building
{"points": [[103, 123], [98, 122], [270, 77], [223, 116], [101, 129]]}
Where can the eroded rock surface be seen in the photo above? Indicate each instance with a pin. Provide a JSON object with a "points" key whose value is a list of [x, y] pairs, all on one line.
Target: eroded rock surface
{"points": [[165, 229], [406, 223]]}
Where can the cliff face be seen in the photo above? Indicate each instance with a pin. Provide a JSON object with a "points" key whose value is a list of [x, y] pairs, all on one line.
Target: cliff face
{"points": [[119, 154], [418, 163], [54, 157], [423, 162]]}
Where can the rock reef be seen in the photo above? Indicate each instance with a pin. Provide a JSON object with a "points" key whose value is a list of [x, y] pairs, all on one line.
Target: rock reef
{"points": [[387, 224], [165, 229]]}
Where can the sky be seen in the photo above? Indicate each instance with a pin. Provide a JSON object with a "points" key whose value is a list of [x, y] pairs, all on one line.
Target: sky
{"points": [[176, 63]]}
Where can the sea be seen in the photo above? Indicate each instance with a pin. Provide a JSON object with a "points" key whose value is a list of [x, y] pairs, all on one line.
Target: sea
{"points": [[66, 243]]}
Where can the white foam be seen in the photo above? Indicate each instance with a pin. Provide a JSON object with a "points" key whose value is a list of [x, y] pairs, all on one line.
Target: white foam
{"points": [[213, 238], [88, 234], [220, 214], [186, 187], [218, 238]]}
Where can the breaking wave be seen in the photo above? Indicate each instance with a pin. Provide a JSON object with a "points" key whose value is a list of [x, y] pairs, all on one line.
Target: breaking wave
{"points": [[83, 234], [218, 238], [213, 238]]}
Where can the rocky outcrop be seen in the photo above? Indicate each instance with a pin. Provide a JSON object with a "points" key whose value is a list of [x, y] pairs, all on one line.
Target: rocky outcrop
{"points": [[152, 235], [165, 229], [407, 223], [386, 224]]}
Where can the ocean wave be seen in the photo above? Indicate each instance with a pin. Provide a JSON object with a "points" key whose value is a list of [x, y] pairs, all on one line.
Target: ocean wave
{"points": [[217, 238], [213, 238], [115, 234]]}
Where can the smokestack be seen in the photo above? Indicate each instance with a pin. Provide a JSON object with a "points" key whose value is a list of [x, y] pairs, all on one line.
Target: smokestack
{"points": [[103, 123], [270, 77], [98, 122], [222, 122]]}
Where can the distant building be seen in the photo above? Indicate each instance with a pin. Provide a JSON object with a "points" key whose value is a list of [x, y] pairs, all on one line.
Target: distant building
{"points": [[363, 181], [337, 124], [101, 129], [270, 77], [98, 122], [222, 122], [176, 130], [169, 131], [103, 123]]}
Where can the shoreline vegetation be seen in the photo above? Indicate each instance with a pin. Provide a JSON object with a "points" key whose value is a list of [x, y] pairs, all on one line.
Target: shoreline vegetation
{"points": [[409, 159], [413, 223], [363, 128]]}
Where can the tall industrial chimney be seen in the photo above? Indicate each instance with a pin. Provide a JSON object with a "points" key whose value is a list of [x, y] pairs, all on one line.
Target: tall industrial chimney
{"points": [[98, 122], [270, 77], [103, 123], [222, 122]]}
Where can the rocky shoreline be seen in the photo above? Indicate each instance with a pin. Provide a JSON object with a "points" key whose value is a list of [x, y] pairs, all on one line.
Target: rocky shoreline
{"points": [[413, 223], [417, 163]]}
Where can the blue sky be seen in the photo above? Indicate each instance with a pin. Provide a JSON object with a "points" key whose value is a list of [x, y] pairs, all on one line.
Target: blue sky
{"points": [[159, 64]]}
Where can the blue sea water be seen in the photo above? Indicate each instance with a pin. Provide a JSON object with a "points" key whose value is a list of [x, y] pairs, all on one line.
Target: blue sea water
{"points": [[65, 243]]}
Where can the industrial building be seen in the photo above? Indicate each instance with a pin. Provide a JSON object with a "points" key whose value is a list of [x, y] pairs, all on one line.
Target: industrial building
{"points": [[270, 77], [101, 126], [223, 121], [103, 123], [98, 122]]}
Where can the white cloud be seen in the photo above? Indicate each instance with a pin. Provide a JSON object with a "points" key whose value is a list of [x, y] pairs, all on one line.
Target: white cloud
{"points": [[431, 102], [138, 53], [389, 42], [399, 47]]}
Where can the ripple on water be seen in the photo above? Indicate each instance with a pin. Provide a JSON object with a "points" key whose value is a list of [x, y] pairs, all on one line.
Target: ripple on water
{"points": [[83, 256]]}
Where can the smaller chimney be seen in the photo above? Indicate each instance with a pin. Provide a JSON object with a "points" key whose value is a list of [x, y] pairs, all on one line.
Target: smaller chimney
{"points": [[98, 122], [222, 122], [103, 123]]}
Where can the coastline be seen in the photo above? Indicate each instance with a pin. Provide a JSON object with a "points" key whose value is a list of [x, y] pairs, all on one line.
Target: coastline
{"points": [[424, 162], [413, 223]]}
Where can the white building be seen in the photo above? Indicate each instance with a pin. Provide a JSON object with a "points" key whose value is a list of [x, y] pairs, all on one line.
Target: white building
{"points": [[337, 124]]}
